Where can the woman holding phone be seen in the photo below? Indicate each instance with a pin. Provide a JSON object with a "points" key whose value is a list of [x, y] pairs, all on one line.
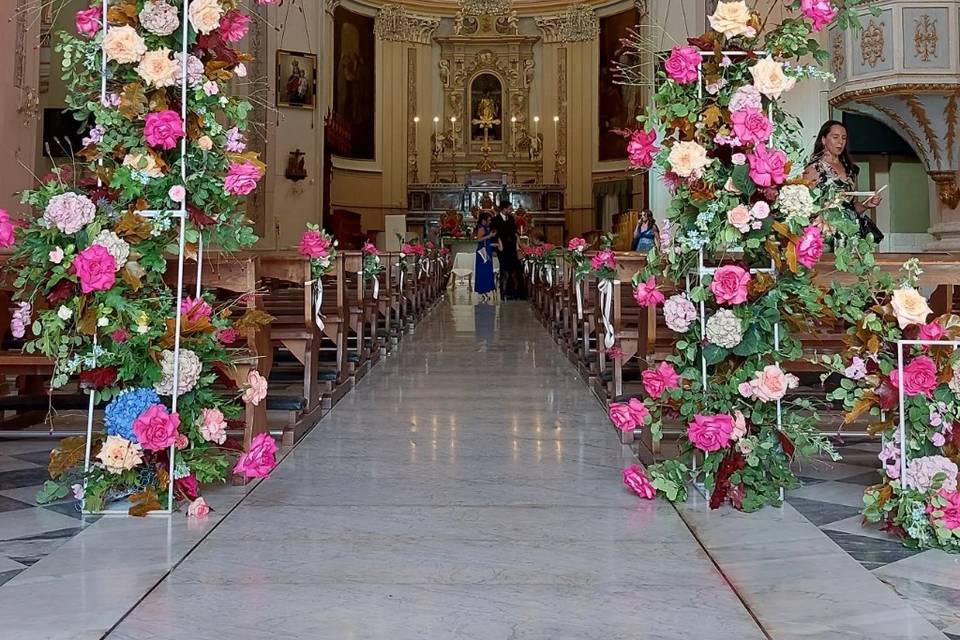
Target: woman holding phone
{"points": [[832, 169]]}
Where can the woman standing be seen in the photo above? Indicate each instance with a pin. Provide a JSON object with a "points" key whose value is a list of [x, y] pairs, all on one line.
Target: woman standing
{"points": [[832, 170], [646, 236], [483, 281]]}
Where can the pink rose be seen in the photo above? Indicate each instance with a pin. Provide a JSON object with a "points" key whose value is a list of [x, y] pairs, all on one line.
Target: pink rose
{"points": [[642, 148], [314, 245], [636, 480], [228, 336], [638, 410], [198, 509], [739, 218], [919, 376], [242, 178], [951, 510], [772, 384], [88, 21], [195, 309], [683, 64], [746, 389], [621, 416], [156, 429], [177, 193], [234, 25], [710, 433], [259, 460], [739, 425], [657, 381], [163, 129], [767, 166], [576, 244], [646, 293], [604, 259], [8, 234], [820, 12], [932, 331], [751, 125], [810, 247], [95, 268], [760, 210], [371, 249], [729, 284], [186, 487], [213, 427]]}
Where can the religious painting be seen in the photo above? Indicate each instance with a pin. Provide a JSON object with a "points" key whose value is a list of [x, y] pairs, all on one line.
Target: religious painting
{"points": [[296, 79], [486, 108], [354, 88], [619, 104]]}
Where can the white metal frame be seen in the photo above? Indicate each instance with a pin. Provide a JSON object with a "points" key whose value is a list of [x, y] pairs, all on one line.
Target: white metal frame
{"points": [[181, 214]]}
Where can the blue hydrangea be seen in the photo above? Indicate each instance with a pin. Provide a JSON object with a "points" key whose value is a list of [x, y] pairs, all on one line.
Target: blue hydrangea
{"points": [[125, 408]]}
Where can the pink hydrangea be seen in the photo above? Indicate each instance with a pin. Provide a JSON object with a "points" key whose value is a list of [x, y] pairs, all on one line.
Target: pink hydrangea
{"points": [[604, 259], [260, 460], [683, 64], [636, 480], [810, 247], [922, 471], [20, 320], [659, 380], [234, 25], [710, 433], [96, 269], [679, 313], [768, 167], [729, 284], [751, 125], [820, 13], [646, 293], [195, 309], [746, 97], [242, 178], [642, 148], [8, 233], [163, 129], [313, 244], [69, 212], [919, 377], [88, 21], [156, 428]]}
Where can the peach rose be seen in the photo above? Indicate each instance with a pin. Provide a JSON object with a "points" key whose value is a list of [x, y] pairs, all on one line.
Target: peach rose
{"points": [[123, 45], [158, 68], [732, 19], [144, 163], [119, 454], [205, 15], [910, 307], [688, 159], [739, 218], [772, 384], [769, 78], [205, 143]]}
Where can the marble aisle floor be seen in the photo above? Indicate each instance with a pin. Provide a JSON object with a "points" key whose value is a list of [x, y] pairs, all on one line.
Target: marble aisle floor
{"points": [[469, 487]]}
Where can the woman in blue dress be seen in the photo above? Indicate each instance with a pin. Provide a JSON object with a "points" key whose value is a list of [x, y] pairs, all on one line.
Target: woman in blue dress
{"points": [[646, 236], [483, 281]]}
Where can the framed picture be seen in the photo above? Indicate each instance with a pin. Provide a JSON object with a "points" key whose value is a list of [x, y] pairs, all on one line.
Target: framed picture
{"points": [[296, 79]]}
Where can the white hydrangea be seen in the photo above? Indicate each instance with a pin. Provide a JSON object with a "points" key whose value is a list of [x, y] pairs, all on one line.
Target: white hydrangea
{"points": [[724, 329], [195, 70], [159, 18], [115, 246], [955, 380], [190, 369], [796, 201]]}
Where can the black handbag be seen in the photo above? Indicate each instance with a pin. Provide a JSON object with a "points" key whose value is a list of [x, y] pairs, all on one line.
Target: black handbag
{"points": [[869, 228]]}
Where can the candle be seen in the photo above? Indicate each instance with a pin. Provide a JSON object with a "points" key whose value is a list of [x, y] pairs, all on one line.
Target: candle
{"points": [[556, 123], [416, 127], [436, 122], [536, 125]]}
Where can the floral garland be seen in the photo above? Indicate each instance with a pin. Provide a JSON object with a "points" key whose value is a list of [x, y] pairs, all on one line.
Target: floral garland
{"points": [[728, 151], [91, 266]]}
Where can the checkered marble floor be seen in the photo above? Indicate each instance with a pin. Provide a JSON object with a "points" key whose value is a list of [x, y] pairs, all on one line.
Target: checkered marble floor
{"points": [[831, 499]]}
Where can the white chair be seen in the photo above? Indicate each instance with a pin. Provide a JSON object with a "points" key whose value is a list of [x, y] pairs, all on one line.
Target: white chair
{"points": [[463, 264]]}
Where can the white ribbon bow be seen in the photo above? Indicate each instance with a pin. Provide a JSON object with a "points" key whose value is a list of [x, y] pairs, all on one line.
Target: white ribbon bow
{"points": [[579, 291], [549, 269], [318, 302], [606, 301]]}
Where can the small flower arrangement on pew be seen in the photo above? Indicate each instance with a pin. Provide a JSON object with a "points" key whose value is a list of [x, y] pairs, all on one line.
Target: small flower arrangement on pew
{"points": [[922, 507], [603, 265], [731, 156], [372, 264], [321, 248], [90, 267], [575, 256]]}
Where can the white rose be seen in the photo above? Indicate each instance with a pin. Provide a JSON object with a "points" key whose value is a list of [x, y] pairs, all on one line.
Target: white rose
{"points": [[688, 159], [158, 68], [115, 246], [769, 78], [64, 313], [124, 45], [910, 307], [205, 15], [240, 70], [732, 19]]}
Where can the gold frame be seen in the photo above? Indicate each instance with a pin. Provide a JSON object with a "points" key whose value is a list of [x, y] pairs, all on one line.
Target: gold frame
{"points": [[282, 54]]}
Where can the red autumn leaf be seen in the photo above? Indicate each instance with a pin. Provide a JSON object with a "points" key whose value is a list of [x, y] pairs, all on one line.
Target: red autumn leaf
{"points": [[733, 462], [788, 447]]}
